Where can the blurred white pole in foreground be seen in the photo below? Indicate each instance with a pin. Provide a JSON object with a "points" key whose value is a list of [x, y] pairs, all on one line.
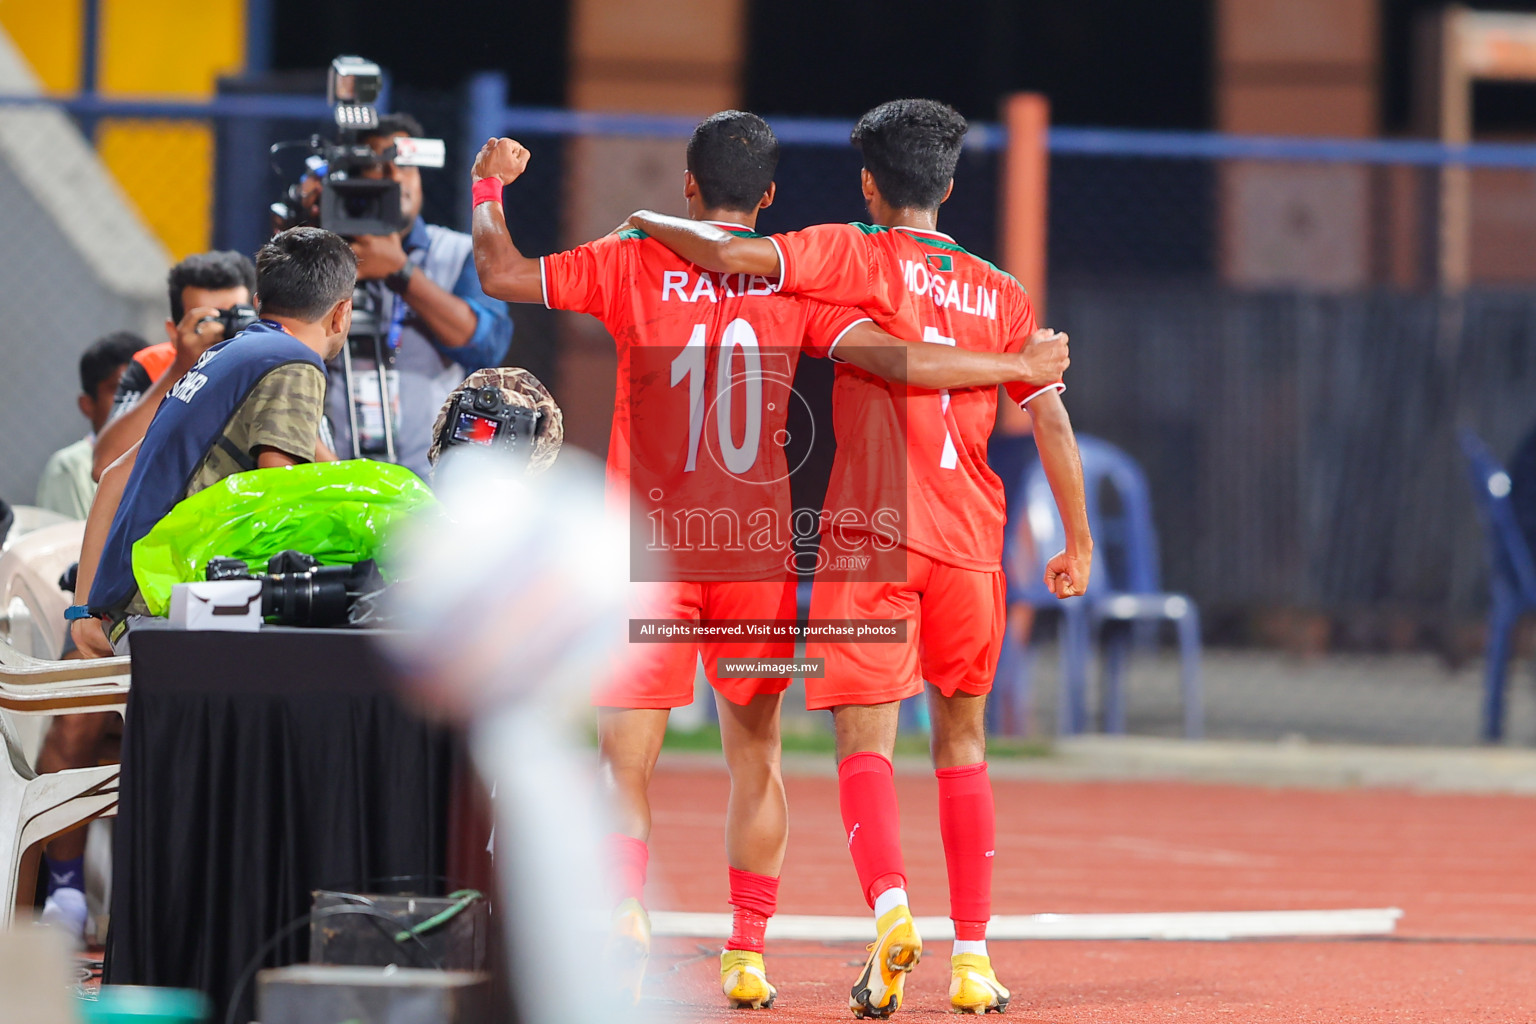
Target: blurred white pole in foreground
{"points": [[514, 601]]}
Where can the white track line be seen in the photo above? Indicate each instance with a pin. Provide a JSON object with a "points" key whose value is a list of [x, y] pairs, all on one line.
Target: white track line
{"points": [[1212, 926]]}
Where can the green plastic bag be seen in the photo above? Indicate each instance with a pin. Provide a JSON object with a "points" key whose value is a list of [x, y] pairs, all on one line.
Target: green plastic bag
{"points": [[339, 512]]}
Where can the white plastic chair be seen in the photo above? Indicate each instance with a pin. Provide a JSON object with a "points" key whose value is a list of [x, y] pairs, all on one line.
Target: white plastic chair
{"points": [[31, 603], [30, 518], [39, 548], [33, 807]]}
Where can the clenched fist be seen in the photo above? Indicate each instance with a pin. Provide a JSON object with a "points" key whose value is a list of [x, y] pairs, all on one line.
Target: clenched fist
{"points": [[1044, 357], [504, 159], [1066, 575]]}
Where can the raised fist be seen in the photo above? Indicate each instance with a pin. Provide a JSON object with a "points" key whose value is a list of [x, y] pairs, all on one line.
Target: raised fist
{"points": [[501, 158]]}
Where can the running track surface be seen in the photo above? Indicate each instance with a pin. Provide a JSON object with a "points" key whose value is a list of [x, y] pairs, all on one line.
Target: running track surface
{"points": [[1463, 869]]}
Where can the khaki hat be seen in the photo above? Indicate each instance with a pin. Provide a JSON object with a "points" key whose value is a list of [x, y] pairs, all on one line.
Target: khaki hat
{"points": [[518, 387]]}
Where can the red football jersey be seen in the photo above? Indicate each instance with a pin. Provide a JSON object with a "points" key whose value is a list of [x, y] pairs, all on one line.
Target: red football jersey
{"points": [[919, 286], [706, 367]]}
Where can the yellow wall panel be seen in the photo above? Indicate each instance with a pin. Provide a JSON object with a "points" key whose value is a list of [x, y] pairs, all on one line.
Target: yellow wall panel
{"points": [[48, 34], [165, 167], [169, 47]]}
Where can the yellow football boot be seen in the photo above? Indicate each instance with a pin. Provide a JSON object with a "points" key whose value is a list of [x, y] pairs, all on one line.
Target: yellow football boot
{"points": [[877, 993], [628, 948], [973, 988], [744, 980]]}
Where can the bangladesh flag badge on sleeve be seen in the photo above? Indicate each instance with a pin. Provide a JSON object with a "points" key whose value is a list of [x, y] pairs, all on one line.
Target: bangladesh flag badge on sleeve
{"points": [[941, 261]]}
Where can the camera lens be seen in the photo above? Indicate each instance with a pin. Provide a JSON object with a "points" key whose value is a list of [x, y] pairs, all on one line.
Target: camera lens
{"points": [[314, 598]]}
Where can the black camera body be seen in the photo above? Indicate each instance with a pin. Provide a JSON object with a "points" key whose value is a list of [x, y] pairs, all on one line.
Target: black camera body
{"points": [[296, 591], [483, 416], [351, 204], [234, 319]]}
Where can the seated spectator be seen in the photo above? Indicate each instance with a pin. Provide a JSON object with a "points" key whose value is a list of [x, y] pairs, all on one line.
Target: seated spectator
{"points": [[199, 286], [68, 484], [254, 401]]}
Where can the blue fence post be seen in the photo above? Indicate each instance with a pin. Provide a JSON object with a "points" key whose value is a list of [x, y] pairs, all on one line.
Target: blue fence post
{"points": [[484, 117]]}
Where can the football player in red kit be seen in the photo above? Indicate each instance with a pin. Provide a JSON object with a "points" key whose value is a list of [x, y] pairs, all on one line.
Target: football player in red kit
{"points": [[682, 336], [920, 285]]}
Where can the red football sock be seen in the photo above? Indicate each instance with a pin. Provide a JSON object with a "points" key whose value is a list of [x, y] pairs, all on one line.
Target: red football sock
{"points": [[867, 792], [755, 898], [968, 826], [627, 859]]}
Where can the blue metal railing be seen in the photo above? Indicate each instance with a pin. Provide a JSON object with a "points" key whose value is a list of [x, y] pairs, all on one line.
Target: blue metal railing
{"points": [[1120, 142], [276, 107], [486, 113], [794, 131]]}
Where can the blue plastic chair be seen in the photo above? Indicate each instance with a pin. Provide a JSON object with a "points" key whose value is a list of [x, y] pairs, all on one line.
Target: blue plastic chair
{"points": [[1512, 576], [1126, 587], [1014, 689]]}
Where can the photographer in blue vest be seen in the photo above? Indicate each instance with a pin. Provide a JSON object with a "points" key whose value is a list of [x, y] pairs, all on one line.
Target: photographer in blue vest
{"points": [[253, 401], [438, 322]]}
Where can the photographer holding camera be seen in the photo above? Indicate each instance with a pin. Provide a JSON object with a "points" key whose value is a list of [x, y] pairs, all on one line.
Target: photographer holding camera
{"points": [[252, 402], [205, 285], [427, 302]]}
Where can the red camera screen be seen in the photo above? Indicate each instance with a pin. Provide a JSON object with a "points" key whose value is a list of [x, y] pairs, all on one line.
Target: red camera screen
{"points": [[475, 429]]}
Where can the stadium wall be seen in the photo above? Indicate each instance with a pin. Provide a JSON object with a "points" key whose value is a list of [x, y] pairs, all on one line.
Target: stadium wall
{"points": [[78, 263]]}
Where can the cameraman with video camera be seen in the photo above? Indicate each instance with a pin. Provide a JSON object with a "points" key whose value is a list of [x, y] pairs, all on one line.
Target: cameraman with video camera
{"points": [[436, 321]]}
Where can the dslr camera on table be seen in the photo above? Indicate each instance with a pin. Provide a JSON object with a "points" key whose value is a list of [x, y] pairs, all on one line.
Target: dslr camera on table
{"points": [[203, 561]]}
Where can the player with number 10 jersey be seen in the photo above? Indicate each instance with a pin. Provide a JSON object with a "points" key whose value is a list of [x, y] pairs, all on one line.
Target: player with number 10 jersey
{"points": [[706, 363], [948, 504], [918, 284]]}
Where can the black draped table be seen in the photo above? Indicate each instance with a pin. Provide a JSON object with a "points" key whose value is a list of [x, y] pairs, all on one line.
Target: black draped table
{"points": [[256, 768]]}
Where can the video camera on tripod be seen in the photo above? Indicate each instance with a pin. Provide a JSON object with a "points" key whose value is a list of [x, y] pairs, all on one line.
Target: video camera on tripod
{"points": [[335, 193], [345, 201]]}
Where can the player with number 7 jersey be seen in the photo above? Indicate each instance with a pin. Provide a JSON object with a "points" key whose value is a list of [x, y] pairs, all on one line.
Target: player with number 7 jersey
{"points": [[916, 283], [920, 285], [706, 364]]}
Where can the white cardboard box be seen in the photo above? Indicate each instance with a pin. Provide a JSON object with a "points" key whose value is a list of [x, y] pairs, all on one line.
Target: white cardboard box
{"points": [[233, 605]]}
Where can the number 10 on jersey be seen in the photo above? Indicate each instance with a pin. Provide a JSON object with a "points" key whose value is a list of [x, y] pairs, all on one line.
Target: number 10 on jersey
{"points": [[691, 365]]}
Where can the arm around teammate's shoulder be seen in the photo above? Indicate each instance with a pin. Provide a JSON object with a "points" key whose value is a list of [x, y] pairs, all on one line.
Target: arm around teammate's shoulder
{"points": [[921, 364], [707, 246], [1066, 573]]}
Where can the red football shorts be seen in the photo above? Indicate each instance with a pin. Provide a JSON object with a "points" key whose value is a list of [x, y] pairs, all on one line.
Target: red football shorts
{"points": [[955, 620], [661, 675]]}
